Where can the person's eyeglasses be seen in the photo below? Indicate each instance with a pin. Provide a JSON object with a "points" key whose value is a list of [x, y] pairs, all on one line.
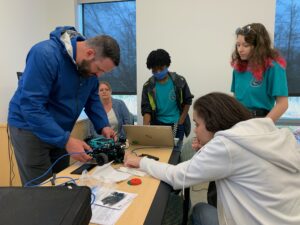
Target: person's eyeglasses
{"points": [[244, 30]]}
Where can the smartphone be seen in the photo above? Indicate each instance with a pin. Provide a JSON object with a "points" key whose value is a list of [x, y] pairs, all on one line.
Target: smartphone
{"points": [[86, 166]]}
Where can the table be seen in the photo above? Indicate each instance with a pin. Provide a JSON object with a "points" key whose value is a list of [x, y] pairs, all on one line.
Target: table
{"points": [[149, 206]]}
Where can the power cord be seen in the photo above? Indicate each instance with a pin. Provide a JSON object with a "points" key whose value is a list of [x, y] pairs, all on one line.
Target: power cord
{"points": [[144, 147], [27, 184], [10, 158], [52, 180], [93, 198]]}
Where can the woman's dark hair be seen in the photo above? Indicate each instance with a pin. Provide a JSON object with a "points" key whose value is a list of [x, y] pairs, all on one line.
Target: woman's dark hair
{"points": [[220, 111], [256, 35], [157, 58]]}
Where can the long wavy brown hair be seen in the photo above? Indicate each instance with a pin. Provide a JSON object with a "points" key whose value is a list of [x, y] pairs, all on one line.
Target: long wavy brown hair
{"points": [[262, 53]]}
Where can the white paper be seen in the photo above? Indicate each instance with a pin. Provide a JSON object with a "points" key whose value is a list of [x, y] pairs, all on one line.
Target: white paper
{"points": [[106, 172], [106, 216], [109, 215]]}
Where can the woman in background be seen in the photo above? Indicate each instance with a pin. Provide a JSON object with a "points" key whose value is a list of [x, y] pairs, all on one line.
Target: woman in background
{"points": [[117, 112], [259, 77]]}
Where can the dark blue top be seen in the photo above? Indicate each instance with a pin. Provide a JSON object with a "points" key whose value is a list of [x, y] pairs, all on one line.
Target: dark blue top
{"points": [[51, 93]]}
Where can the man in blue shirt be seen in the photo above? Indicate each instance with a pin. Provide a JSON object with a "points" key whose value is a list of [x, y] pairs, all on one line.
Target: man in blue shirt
{"points": [[59, 80]]}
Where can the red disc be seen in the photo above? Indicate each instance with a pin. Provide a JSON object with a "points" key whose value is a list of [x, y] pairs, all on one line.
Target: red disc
{"points": [[135, 181]]}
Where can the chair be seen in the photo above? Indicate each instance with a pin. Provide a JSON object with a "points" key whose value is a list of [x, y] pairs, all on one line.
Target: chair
{"points": [[19, 74]]}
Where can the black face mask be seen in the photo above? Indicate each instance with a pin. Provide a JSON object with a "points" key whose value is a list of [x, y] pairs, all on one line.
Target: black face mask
{"points": [[84, 68]]}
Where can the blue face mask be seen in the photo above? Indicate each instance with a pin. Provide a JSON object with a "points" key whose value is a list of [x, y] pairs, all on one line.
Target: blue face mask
{"points": [[161, 75]]}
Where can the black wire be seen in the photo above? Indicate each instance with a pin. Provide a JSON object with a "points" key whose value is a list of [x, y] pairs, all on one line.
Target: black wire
{"points": [[10, 157], [93, 198], [72, 180], [10, 181], [144, 147], [12, 164]]}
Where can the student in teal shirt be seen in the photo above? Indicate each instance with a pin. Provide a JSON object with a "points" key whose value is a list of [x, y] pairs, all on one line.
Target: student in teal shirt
{"points": [[166, 96], [259, 77]]}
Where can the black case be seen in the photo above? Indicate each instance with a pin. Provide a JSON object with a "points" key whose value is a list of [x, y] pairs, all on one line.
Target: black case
{"points": [[65, 205]]}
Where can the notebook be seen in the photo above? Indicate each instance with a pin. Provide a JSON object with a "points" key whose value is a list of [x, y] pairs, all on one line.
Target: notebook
{"points": [[149, 135]]}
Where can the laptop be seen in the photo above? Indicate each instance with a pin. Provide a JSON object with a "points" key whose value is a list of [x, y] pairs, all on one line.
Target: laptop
{"points": [[149, 135]]}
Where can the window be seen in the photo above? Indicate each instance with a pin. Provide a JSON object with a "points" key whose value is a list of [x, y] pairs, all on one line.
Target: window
{"points": [[287, 40], [117, 19], [292, 115]]}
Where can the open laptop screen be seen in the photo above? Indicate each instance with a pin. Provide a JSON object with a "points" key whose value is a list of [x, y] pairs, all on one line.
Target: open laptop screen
{"points": [[149, 135]]}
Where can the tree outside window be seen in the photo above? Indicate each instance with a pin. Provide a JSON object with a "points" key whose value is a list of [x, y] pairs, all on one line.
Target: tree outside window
{"points": [[287, 40], [117, 19]]}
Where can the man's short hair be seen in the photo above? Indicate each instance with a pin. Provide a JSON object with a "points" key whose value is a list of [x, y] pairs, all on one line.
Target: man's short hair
{"points": [[105, 46]]}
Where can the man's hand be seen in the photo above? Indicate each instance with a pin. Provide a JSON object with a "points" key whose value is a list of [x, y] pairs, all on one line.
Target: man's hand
{"points": [[196, 144], [131, 160], [76, 147], [108, 132]]}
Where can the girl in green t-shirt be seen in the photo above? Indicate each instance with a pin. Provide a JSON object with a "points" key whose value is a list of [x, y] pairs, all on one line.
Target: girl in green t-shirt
{"points": [[259, 77]]}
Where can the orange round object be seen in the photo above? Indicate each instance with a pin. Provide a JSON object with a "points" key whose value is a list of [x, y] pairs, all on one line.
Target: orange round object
{"points": [[135, 181]]}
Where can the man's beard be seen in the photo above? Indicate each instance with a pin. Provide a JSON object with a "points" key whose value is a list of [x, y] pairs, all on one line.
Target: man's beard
{"points": [[84, 68]]}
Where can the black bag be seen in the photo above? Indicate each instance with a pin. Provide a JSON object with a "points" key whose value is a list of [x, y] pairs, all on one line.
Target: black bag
{"points": [[64, 205]]}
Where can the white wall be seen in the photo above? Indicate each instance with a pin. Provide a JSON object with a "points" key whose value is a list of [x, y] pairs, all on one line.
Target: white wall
{"points": [[198, 34], [24, 23]]}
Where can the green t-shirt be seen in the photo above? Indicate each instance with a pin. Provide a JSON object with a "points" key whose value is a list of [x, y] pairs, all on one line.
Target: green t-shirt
{"points": [[255, 94], [167, 109]]}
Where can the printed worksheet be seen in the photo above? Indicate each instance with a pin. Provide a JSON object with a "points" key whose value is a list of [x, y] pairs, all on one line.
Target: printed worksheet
{"points": [[109, 205]]}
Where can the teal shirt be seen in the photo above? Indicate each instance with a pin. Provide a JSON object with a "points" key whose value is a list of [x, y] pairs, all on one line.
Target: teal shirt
{"points": [[255, 94], [167, 109]]}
